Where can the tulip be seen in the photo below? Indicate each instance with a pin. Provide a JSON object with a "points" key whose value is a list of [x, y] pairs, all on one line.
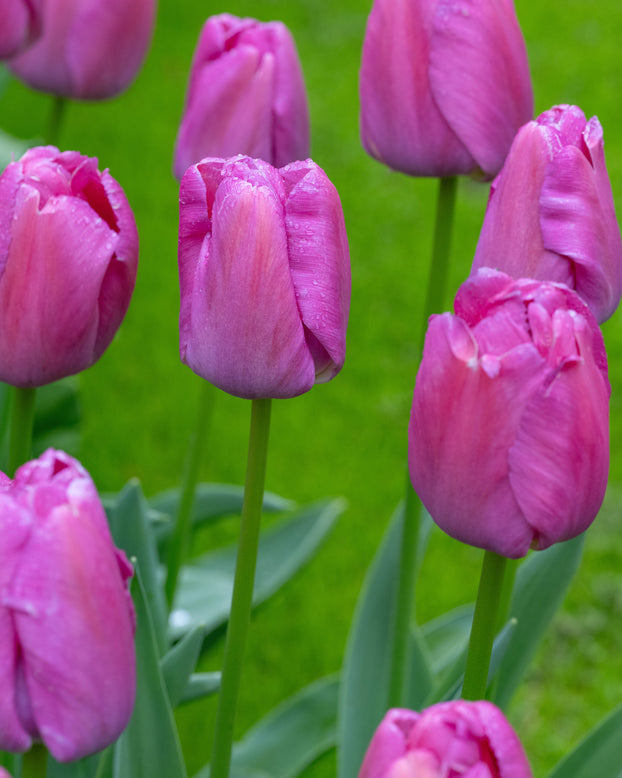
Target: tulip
{"points": [[454, 739], [67, 664], [509, 436], [89, 50], [551, 215], [264, 274], [444, 85], [246, 95], [68, 260], [21, 24]]}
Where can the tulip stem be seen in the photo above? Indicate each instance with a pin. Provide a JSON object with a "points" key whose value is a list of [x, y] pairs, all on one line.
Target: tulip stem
{"points": [[22, 421], [57, 112], [178, 546], [484, 628], [34, 762], [239, 618]]}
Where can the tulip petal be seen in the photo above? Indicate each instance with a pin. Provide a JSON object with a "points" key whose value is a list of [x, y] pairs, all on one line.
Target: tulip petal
{"points": [[388, 744], [479, 76], [319, 263]]}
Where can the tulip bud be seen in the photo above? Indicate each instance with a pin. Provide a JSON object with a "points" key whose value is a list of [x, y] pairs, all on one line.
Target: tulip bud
{"points": [[509, 430], [551, 215], [246, 95], [265, 276], [20, 25], [89, 50], [68, 260], [456, 738], [444, 85], [67, 664]]}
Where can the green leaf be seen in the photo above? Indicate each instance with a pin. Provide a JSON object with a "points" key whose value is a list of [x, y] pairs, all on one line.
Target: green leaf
{"points": [[132, 531], [57, 417], [201, 685], [206, 583], [83, 768], [290, 737], [179, 662], [11, 148], [541, 584], [150, 745], [598, 754], [447, 637]]}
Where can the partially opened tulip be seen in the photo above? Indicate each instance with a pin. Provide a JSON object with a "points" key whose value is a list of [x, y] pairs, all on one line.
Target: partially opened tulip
{"points": [[67, 664], [68, 261], [20, 25], [509, 429], [246, 95], [265, 276], [444, 85], [456, 739], [551, 215], [89, 50]]}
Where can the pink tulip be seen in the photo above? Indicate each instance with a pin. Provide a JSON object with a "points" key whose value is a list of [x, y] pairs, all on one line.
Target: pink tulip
{"points": [[20, 24], [68, 260], [444, 85], [550, 214], [67, 665], [89, 50], [246, 95], [509, 431], [265, 276], [455, 739]]}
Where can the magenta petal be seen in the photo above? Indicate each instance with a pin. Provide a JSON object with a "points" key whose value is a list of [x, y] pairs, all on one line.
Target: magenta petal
{"points": [[504, 743], [479, 76], [388, 743]]}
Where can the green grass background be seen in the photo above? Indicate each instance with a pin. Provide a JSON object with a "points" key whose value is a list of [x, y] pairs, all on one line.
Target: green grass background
{"points": [[348, 437]]}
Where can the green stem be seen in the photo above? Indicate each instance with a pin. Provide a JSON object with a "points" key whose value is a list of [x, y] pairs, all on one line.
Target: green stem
{"points": [[178, 546], [484, 627], [241, 602], [57, 112], [22, 420], [34, 762]]}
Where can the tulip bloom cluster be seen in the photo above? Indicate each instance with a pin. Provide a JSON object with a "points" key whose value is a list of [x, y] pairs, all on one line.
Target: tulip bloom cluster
{"points": [[265, 276], [246, 95], [67, 666], [509, 439], [449, 740]]}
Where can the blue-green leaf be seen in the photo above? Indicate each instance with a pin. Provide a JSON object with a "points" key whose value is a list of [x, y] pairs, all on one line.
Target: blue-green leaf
{"points": [[599, 755], [178, 664]]}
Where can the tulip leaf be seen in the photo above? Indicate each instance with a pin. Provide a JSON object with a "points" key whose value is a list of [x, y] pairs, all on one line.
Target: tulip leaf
{"points": [[541, 584], [206, 583], [149, 745], [83, 768], [131, 529], [290, 737], [11, 148], [179, 662], [598, 754], [447, 636], [201, 685]]}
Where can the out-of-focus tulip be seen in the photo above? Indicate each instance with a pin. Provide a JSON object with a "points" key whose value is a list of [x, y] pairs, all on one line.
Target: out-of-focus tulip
{"points": [[550, 214], [454, 739], [20, 24], [246, 95], [444, 85], [509, 431], [265, 276], [68, 260], [67, 664], [89, 50]]}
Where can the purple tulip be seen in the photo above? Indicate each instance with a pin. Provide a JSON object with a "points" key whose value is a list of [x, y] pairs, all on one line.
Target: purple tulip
{"points": [[444, 85], [265, 276], [454, 739], [89, 50], [509, 430], [20, 25], [550, 214], [246, 95], [67, 664], [68, 260]]}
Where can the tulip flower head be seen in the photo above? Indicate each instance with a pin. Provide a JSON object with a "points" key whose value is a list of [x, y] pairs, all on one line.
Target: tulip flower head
{"points": [[89, 50], [456, 739], [265, 276], [68, 261], [509, 429], [67, 664], [444, 85], [246, 95], [20, 25], [551, 215]]}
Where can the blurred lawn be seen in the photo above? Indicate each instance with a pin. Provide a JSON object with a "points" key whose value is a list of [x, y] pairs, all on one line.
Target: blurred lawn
{"points": [[348, 437]]}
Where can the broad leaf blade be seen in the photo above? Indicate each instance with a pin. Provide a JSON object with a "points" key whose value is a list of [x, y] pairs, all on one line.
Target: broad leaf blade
{"points": [[178, 664], [599, 754]]}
